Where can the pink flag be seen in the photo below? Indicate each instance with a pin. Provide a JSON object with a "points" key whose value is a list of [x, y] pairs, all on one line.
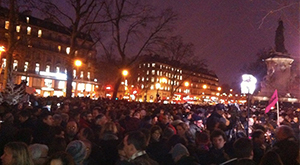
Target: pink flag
{"points": [[272, 101]]}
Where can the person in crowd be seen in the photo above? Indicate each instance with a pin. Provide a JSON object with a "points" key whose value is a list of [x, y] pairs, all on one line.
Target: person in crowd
{"points": [[71, 131], [286, 146], [60, 158], [109, 142], [217, 119], [271, 158], [77, 150], [25, 120], [99, 122], [259, 148], [95, 112], [181, 155], [57, 144], [134, 148], [201, 152], [86, 119], [183, 131], [155, 147], [196, 125], [243, 150], [57, 120], [165, 122], [16, 153], [86, 133], [217, 152], [39, 153], [44, 128]]}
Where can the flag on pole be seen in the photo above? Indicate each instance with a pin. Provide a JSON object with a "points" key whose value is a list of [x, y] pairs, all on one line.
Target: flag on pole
{"points": [[272, 101]]}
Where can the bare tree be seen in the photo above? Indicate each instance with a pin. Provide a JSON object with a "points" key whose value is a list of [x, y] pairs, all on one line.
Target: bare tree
{"points": [[133, 30], [79, 18]]}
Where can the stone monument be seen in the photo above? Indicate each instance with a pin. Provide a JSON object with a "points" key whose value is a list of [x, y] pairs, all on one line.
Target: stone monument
{"points": [[279, 75]]}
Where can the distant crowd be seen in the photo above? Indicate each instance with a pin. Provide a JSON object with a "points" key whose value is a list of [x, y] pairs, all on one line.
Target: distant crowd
{"points": [[81, 131]]}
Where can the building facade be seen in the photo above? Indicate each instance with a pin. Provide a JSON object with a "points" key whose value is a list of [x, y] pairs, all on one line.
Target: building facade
{"points": [[160, 79], [42, 54]]}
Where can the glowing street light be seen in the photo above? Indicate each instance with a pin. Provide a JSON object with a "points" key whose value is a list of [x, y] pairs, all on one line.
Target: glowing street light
{"points": [[186, 84], [124, 72], [204, 86], [78, 63], [248, 86], [163, 80], [219, 89]]}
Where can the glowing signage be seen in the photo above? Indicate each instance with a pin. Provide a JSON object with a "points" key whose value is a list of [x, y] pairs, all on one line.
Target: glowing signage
{"points": [[60, 76]]}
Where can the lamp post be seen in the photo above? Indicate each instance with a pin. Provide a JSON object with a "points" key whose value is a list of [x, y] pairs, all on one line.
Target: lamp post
{"points": [[157, 85], [77, 63], [125, 74], [248, 87]]}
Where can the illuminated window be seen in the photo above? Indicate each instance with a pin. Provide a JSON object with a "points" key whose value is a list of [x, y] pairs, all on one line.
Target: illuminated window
{"points": [[27, 19], [153, 72], [47, 68], [40, 33], [140, 66], [179, 90], [81, 74], [148, 65], [25, 78], [147, 72], [88, 87], [66, 71], [138, 79], [153, 64], [180, 77], [15, 65], [152, 87], [147, 79], [142, 78], [26, 66], [57, 69], [76, 52], [48, 83], [28, 30], [74, 73], [37, 67], [158, 73], [80, 86], [160, 66], [152, 79], [142, 86], [88, 75], [18, 28], [68, 50], [61, 84], [6, 24]]}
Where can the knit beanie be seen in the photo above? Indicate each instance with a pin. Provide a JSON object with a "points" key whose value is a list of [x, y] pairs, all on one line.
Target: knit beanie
{"points": [[179, 150], [77, 150]]}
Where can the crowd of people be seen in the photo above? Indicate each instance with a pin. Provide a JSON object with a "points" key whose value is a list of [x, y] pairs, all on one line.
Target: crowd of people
{"points": [[81, 131]]}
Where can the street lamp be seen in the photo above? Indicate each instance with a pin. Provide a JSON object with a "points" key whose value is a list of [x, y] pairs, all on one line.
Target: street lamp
{"points": [[157, 85], [125, 73], [248, 87], [77, 63]]}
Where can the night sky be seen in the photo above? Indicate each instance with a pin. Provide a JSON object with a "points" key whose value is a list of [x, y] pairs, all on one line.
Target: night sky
{"points": [[229, 33]]}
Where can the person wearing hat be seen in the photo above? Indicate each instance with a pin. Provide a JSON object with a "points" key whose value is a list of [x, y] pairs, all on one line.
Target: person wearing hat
{"points": [[181, 155], [196, 125], [217, 119]]}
